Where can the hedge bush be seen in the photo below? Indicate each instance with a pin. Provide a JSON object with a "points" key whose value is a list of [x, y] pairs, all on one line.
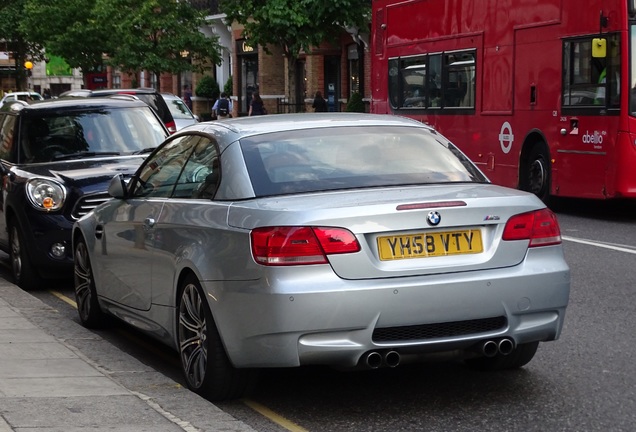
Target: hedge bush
{"points": [[355, 104]]}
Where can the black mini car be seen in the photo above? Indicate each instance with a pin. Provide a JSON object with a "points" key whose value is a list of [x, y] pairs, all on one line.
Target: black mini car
{"points": [[149, 95], [56, 160]]}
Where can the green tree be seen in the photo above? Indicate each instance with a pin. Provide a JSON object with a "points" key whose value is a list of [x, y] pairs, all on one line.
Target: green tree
{"points": [[133, 35], [69, 29], [20, 41], [156, 35], [295, 25]]}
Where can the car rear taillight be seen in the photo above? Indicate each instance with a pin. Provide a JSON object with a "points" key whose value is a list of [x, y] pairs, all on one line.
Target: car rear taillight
{"points": [[279, 246], [172, 127], [540, 227]]}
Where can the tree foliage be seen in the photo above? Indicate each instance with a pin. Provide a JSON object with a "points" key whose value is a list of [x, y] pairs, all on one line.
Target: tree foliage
{"points": [[157, 35], [295, 25], [133, 35], [19, 41], [68, 29]]}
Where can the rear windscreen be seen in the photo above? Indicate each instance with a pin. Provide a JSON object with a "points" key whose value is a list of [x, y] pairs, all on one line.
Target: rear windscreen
{"points": [[352, 157]]}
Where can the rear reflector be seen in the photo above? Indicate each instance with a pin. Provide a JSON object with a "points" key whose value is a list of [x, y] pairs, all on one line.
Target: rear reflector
{"points": [[280, 246], [540, 227]]}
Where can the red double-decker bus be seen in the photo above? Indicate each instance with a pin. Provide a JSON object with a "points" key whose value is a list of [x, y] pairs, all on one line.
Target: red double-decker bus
{"points": [[536, 92]]}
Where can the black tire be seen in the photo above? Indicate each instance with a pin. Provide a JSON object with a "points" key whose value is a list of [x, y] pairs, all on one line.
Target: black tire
{"points": [[536, 174], [24, 273], [518, 358], [90, 314], [205, 364]]}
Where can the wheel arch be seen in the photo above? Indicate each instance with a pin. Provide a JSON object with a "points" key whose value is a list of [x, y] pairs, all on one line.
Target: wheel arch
{"points": [[76, 234], [179, 285], [183, 274]]}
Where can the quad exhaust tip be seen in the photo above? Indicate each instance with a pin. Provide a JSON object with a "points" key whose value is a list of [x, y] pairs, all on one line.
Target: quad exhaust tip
{"points": [[488, 348]]}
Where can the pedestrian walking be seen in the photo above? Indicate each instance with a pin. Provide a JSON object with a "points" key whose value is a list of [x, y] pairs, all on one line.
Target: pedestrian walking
{"points": [[256, 106], [223, 107], [187, 96]]}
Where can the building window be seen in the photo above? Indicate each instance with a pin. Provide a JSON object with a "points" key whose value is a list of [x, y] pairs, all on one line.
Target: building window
{"points": [[116, 81]]}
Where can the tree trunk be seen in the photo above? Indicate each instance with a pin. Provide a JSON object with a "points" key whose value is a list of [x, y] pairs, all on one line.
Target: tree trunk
{"points": [[291, 81], [21, 74]]}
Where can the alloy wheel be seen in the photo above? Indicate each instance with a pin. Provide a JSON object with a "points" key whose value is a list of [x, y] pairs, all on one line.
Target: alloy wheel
{"points": [[16, 253], [193, 335], [83, 281]]}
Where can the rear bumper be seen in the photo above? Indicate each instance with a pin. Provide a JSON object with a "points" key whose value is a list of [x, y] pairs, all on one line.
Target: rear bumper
{"points": [[318, 318]]}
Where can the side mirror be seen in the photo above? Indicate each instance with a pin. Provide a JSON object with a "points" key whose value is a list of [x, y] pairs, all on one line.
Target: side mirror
{"points": [[117, 187], [196, 117]]}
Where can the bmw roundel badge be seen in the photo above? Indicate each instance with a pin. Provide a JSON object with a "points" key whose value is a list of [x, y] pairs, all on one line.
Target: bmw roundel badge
{"points": [[433, 218]]}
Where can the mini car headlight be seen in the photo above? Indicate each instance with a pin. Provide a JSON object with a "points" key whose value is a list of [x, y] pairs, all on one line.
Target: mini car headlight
{"points": [[45, 194]]}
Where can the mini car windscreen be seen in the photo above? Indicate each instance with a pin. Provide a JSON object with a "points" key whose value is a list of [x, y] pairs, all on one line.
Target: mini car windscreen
{"points": [[352, 157], [76, 134]]}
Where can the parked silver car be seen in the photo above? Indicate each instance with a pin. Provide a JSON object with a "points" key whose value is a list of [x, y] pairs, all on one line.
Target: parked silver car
{"points": [[350, 240], [180, 112]]}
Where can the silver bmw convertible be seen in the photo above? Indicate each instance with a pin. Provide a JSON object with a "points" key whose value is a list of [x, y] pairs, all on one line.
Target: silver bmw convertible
{"points": [[348, 240]]}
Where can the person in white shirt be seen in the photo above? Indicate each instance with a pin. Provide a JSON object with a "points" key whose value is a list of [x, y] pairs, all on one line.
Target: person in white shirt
{"points": [[223, 107]]}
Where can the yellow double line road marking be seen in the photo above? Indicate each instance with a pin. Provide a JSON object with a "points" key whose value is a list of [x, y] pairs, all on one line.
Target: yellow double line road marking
{"points": [[261, 409]]}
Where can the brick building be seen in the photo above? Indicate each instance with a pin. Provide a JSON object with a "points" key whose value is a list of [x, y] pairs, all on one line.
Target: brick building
{"points": [[336, 70]]}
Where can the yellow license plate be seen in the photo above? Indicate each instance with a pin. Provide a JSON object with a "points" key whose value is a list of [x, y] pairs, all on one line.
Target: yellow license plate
{"points": [[434, 244]]}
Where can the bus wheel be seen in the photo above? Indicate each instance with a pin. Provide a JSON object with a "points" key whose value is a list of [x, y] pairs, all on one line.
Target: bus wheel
{"points": [[536, 178]]}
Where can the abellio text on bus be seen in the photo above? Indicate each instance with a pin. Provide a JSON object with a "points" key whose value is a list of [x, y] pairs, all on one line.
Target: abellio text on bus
{"points": [[538, 94]]}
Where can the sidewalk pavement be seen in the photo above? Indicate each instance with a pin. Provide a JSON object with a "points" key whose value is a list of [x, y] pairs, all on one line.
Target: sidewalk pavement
{"points": [[49, 384]]}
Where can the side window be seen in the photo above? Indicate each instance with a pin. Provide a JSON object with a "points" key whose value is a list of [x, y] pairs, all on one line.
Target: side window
{"points": [[394, 83], [414, 82], [459, 74], [159, 174], [590, 81], [7, 130], [201, 173], [433, 81]]}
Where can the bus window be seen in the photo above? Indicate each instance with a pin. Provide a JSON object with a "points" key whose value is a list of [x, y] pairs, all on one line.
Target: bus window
{"points": [[435, 80], [394, 83], [589, 81], [632, 81], [460, 73], [414, 82], [614, 65]]}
